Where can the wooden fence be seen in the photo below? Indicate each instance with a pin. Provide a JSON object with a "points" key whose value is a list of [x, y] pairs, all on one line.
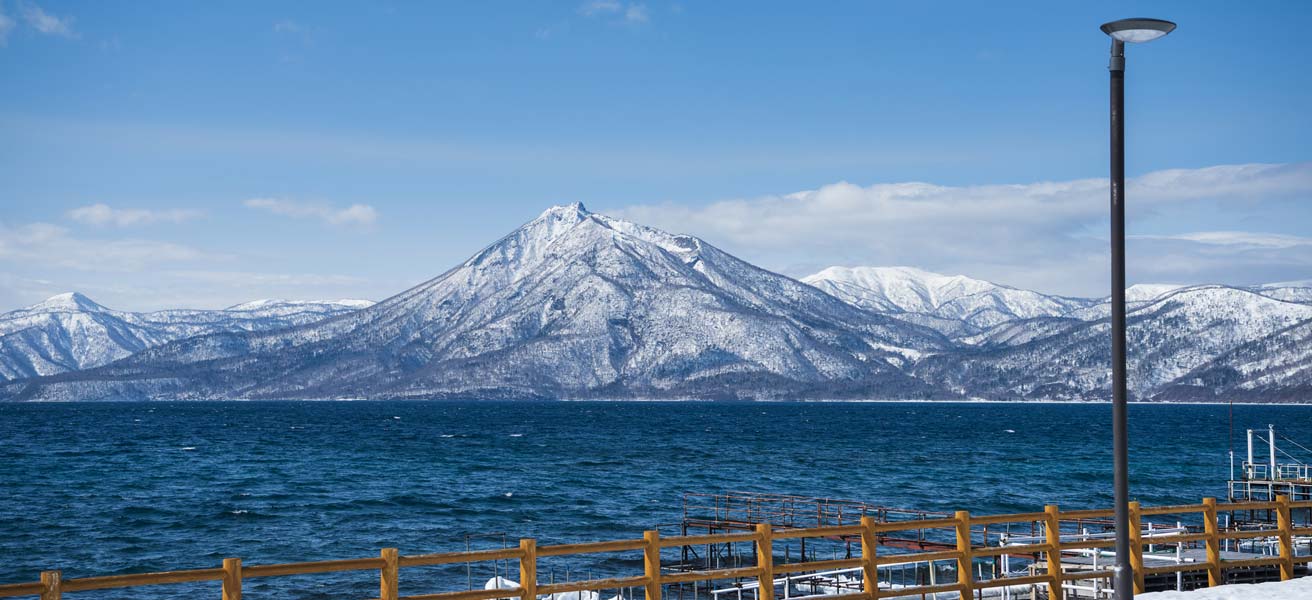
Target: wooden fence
{"points": [[389, 562]]}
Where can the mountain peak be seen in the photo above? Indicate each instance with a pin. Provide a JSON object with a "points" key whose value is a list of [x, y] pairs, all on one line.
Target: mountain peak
{"points": [[68, 301], [575, 210]]}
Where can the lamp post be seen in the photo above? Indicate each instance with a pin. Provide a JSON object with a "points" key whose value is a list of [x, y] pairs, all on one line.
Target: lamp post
{"points": [[1133, 31]]}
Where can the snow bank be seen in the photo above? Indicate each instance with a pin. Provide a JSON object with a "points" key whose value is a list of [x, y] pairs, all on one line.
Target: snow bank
{"points": [[1295, 589]]}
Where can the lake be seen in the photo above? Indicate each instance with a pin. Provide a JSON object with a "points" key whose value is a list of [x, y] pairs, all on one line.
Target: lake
{"points": [[96, 489]]}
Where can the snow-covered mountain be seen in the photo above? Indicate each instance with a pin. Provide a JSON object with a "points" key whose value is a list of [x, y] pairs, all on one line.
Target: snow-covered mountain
{"points": [[572, 304], [953, 304], [579, 305], [1172, 340], [70, 331]]}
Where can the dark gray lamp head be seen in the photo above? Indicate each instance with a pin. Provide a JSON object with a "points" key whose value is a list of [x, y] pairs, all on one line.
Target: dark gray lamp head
{"points": [[1138, 30]]}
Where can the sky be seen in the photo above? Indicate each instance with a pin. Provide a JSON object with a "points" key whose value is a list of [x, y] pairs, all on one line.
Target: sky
{"points": [[168, 154]]}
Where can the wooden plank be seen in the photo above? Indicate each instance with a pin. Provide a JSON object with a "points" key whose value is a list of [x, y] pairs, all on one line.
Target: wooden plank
{"points": [[1005, 581], [697, 540], [651, 562], [591, 584], [869, 549], [306, 568], [52, 585], [1178, 509], [1016, 518], [1136, 546], [1053, 537], [1285, 525], [1180, 568], [1082, 575], [965, 562], [387, 575], [528, 568], [835, 530], [817, 565], [590, 547], [1017, 549], [942, 523], [136, 579], [890, 559], [470, 595], [420, 560], [688, 576], [1215, 576], [10, 590], [231, 579], [765, 562]]}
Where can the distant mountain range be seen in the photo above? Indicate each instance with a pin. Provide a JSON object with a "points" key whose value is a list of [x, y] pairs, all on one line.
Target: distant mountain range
{"points": [[579, 305], [69, 332]]}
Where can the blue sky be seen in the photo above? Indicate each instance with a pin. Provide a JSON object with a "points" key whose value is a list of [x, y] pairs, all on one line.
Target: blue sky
{"points": [[201, 154]]}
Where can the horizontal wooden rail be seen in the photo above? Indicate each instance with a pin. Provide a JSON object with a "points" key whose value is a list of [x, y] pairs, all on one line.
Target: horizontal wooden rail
{"points": [[139, 579], [592, 585], [818, 565], [591, 547], [962, 526]]}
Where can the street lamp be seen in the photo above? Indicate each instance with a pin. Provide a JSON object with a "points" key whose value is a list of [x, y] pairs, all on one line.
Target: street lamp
{"points": [[1133, 31]]}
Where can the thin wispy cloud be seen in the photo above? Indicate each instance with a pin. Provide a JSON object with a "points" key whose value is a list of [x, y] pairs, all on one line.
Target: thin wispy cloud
{"points": [[49, 245], [631, 12], [1045, 235], [358, 215], [6, 26], [44, 22], [287, 26], [103, 215], [1238, 239]]}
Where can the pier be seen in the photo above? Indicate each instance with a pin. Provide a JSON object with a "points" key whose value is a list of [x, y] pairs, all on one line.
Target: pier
{"points": [[862, 555]]}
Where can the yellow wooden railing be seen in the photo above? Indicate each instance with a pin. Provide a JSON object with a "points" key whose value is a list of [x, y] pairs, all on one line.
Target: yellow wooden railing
{"points": [[389, 562]]}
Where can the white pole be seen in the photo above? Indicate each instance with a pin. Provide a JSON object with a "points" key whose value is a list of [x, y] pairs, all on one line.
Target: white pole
{"points": [[1249, 469], [1271, 440]]}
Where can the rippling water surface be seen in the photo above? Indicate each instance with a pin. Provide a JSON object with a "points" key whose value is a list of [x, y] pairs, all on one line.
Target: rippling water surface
{"points": [[112, 488]]}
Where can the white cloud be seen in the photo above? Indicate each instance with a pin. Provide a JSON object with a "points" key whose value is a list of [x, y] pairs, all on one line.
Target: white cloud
{"points": [[354, 215], [1045, 235], [287, 26], [45, 22], [102, 215], [631, 13], [636, 13], [600, 7], [1237, 239], [6, 26], [51, 245]]}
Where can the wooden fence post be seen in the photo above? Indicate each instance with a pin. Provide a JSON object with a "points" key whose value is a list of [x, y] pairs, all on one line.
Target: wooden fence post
{"points": [[52, 585], [1055, 591], [387, 576], [764, 562], [869, 571], [966, 562], [651, 558], [528, 568], [1286, 538], [1210, 528], [232, 579], [1136, 546]]}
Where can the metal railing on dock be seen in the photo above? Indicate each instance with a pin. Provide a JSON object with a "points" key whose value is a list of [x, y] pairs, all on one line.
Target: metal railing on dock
{"points": [[960, 526]]}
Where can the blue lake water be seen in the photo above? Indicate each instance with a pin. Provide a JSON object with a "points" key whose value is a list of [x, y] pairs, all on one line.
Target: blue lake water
{"points": [[98, 489]]}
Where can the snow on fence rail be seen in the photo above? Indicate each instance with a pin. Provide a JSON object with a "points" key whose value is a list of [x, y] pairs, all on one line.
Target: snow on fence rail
{"points": [[389, 562]]}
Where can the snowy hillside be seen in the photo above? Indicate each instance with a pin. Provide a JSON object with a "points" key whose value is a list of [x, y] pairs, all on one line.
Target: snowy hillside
{"points": [[572, 304], [942, 298], [70, 331]]}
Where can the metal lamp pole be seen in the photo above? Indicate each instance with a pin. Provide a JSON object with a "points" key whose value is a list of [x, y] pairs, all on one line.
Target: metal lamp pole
{"points": [[1126, 30]]}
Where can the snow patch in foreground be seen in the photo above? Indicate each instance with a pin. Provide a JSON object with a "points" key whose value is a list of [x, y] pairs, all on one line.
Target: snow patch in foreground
{"points": [[1294, 589]]}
